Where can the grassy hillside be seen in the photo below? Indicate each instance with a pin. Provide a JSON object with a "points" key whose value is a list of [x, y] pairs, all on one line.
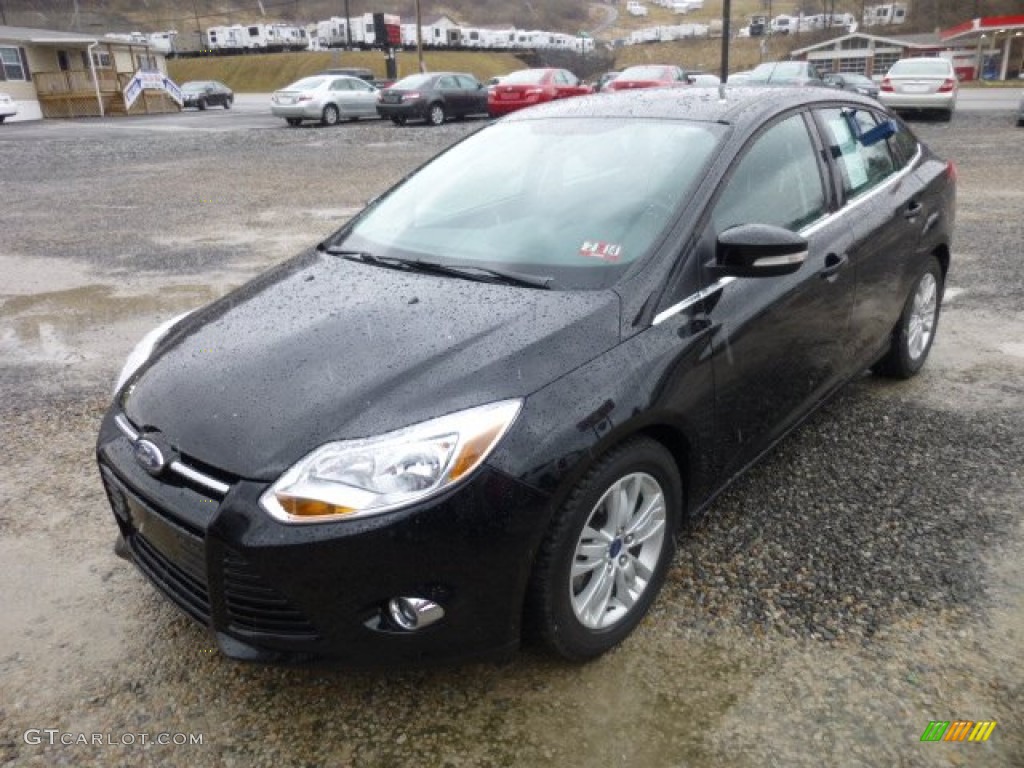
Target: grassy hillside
{"points": [[262, 73]]}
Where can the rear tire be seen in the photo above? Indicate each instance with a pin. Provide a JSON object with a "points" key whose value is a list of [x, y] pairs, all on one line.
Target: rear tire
{"points": [[436, 114], [330, 115], [606, 552], [914, 333]]}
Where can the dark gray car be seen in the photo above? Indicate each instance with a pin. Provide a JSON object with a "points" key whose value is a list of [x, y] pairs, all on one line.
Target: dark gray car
{"points": [[850, 82], [433, 97]]}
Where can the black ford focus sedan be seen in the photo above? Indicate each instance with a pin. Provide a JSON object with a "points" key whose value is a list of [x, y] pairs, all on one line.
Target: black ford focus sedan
{"points": [[483, 409]]}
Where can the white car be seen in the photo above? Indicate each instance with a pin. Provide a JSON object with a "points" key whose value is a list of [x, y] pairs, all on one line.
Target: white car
{"points": [[8, 107], [326, 98], [922, 83]]}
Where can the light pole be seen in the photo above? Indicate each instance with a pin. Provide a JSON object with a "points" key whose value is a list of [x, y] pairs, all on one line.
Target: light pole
{"points": [[726, 12], [348, 29], [419, 37]]}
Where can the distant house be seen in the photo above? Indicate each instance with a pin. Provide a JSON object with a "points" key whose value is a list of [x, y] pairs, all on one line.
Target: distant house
{"points": [[65, 74]]}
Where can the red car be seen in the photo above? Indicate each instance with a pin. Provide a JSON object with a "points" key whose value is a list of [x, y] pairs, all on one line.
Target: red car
{"points": [[532, 86], [648, 76]]}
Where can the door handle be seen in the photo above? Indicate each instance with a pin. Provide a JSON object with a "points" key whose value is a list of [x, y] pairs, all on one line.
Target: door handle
{"points": [[833, 263], [913, 210]]}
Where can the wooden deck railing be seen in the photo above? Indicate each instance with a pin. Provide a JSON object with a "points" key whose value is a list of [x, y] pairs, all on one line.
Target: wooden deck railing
{"points": [[72, 94]]}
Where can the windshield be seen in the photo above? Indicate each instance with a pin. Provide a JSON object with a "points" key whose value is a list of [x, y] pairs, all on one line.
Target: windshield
{"points": [[936, 67], [646, 73], [194, 86], [305, 84], [525, 76], [574, 199], [778, 71], [412, 82]]}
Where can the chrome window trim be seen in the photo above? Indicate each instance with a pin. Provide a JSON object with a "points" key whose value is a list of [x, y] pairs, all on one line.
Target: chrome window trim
{"points": [[856, 202], [175, 466], [689, 301], [821, 223]]}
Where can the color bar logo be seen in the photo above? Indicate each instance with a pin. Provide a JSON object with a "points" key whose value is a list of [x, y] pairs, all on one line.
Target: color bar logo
{"points": [[958, 730]]}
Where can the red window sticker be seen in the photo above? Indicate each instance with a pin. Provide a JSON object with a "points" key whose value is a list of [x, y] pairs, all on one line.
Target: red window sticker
{"points": [[598, 249]]}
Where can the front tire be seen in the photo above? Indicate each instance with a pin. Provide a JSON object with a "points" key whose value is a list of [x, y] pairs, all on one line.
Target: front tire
{"points": [[436, 114], [914, 333], [330, 116], [606, 554], [202, 105], [227, 103]]}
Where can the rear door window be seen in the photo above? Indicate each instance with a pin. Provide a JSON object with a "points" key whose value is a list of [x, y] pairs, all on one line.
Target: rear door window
{"points": [[861, 167]]}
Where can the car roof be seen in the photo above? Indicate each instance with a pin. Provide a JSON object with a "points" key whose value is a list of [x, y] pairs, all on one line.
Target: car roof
{"points": [[731, 104]]}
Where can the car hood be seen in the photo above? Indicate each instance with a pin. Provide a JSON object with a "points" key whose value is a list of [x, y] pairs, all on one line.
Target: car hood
{"points": [[323, 349]]}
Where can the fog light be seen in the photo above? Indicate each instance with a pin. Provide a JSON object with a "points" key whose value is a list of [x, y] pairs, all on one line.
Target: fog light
{"points": [[412, 613]]}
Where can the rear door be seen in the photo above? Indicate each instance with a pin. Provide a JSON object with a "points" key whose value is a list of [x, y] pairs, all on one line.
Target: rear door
{"points": [[452, 94], [885, 205], [476, 95], [778, 343], [364, 98]]}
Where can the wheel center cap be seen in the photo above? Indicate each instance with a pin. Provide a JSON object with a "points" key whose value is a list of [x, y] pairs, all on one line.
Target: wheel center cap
{"points": [[615, 548]]}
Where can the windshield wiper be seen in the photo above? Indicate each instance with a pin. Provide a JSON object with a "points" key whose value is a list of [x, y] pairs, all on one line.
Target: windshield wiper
{"points": [[476, 272], [471, 271]]}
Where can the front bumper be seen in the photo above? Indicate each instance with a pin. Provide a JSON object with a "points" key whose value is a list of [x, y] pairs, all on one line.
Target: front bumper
{"points": [[274, 592]]}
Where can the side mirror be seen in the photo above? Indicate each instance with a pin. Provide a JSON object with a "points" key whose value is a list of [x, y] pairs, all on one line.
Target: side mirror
{"points": [[758, 250]]}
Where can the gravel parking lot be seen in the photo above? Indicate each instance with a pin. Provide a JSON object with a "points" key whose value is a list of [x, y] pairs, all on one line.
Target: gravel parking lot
{"points": [[863, 580]]}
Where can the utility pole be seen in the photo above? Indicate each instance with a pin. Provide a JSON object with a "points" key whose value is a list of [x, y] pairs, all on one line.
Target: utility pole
{"points": [[419, 37], [199, 29], [348, 28], [726, 13]]}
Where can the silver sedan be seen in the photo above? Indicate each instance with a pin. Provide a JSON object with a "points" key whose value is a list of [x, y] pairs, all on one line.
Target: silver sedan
{"points": [[921, 83], [325, 98]]}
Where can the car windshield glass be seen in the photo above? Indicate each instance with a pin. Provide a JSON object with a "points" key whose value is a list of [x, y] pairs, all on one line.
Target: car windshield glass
{"points": [[412, 82], [524, 76], [574, 199], [194, 86], [306, 84], [645, 73], [936, 67], [776, 71], [858, 80]]}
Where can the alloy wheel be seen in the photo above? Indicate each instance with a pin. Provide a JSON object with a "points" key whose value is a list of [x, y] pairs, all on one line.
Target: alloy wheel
{"points": [[618, 551]]}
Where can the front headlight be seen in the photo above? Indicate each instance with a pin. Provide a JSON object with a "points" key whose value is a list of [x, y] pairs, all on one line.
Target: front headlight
{"points": [[144, 349], [355, 478]]}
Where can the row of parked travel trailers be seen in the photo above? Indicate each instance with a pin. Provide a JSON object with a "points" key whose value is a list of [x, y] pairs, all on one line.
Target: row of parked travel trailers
{"points": [[360, 32]]}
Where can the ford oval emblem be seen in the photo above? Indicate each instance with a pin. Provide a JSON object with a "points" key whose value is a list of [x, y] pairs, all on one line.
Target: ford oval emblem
{"points": [[150, 457]]}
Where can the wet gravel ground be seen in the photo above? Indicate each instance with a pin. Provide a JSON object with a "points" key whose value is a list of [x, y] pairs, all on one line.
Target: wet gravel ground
{"points": [[863, 579]]}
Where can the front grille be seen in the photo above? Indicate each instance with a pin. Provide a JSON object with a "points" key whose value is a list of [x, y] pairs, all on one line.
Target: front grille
{"points": [[173, 557], [254, 606], [186, 588]]}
